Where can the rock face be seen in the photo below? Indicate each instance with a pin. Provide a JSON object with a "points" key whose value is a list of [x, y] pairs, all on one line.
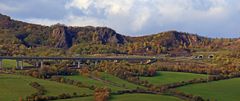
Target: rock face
{"points": [[184, 39], [65, 37], [61, 38], [172, 39], [110, 36], [5, 21]]}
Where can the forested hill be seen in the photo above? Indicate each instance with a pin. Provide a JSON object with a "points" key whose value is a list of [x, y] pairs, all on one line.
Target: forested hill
{"points": [[21, 38], [58, 35]]}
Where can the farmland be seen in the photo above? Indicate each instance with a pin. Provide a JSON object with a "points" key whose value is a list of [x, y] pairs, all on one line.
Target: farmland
{"points": [[131, 97], [12, 87], [106, 80], [224, 90], [164, 77], [143, 97]]}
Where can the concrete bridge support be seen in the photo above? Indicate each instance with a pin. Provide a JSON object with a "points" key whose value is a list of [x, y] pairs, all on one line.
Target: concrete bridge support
{"points": [[19, 64], [74, 63], [1, 64], [37, 64], [115, 61], [41, 64], [79, 64], [95, 63]]}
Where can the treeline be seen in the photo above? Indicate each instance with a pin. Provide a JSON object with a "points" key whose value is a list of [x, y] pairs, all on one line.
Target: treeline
{"points": [[127, 71], [166, 87], [61, 79], [49, 71], [124, 69], [195, 67], [188, 97]]}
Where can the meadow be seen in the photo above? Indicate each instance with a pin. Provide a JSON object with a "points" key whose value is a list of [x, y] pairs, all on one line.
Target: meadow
{"points": [[130, 97], [106, 80], [224, 90], [164, 77], [143, 97], [12, 87]]}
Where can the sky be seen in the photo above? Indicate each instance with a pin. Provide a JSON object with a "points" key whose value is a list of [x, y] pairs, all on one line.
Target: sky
{"points": [[211, 18]]}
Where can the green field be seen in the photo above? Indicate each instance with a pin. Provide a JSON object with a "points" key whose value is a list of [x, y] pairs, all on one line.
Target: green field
{"points": [[114, 83], [224, 90], [143, 97], [164, 77], [130, 97], [120, 82], [78, 99], [14, 86], [12, 63]]}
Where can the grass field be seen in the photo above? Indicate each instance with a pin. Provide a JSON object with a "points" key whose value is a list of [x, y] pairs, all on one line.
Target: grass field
{"points": [[143, 97], [14, 86], [130, 97], [164, 77], [118, 81], [115, 83], [89, 81], [224, 90], [12, 63], [78, 99]]}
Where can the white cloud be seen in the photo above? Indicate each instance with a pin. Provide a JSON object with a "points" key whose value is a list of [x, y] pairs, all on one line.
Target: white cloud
{"points": [[134, 15], [81, 4]]}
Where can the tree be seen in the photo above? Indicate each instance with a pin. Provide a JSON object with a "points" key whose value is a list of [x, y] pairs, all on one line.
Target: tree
{"points": [[101, 94]]}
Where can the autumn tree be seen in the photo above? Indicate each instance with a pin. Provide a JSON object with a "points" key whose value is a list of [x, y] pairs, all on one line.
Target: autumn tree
{"points": [[101, 94]]}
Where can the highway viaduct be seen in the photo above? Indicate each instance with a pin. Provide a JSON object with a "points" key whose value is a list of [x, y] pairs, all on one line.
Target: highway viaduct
{"points": [[78, 60]]}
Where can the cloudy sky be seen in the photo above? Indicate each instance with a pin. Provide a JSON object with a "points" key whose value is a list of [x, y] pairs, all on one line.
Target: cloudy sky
{"points": [[213, 18]]}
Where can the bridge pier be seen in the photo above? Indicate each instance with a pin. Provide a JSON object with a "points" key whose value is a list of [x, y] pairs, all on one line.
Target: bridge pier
{"points": [[37, 64], [19, 66], [79, 64], [96, 63], [1, 64], [41, 64], [74, 63], [115, 61]]}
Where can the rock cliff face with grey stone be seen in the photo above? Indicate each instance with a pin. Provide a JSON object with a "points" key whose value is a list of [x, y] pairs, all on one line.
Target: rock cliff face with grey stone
{"points": [[18, 33], [65, 37]]}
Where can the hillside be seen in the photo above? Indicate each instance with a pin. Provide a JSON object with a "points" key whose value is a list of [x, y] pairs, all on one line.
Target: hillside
{"points": [[19, 38]]}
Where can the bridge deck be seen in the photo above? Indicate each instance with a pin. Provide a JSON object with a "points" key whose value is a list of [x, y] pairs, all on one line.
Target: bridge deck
{"points": [[75, 58]]}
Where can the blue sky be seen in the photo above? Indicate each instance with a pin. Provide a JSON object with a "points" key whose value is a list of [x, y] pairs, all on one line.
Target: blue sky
{"points": [[212, 18]]}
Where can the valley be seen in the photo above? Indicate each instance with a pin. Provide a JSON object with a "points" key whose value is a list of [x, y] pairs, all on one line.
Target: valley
{"points": [[70, 63]]}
